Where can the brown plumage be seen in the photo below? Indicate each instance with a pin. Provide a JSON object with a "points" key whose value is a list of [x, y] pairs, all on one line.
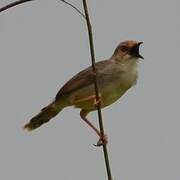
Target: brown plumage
{"points": [[115, 76], [43, 117]]}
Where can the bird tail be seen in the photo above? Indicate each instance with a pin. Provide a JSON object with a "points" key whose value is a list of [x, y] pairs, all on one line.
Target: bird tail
{"points": [[46, 114]]}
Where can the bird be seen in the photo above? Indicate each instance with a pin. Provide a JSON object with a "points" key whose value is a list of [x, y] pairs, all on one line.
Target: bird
{"points": [[114, 77]]}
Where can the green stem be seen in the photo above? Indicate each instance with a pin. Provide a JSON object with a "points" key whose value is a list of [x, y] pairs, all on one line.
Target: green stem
{"points": [[106, 158]]}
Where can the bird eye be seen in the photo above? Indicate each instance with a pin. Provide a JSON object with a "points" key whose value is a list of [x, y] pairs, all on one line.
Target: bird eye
{"points": [[124, 48]]}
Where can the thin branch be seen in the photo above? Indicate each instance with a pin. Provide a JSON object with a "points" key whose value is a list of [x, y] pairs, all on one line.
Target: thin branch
{"points": [[13, 4], [96, 88], [74, 7], [24, 1]]}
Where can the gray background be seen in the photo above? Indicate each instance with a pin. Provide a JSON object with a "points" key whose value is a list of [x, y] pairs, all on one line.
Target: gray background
{"points": [[42, 45]]}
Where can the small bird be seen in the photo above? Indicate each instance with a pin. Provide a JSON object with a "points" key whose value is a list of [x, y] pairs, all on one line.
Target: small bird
{"points": [[114, 76]]}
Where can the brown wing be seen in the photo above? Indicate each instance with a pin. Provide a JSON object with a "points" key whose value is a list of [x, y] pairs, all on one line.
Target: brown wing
{"points": [[82, 79]]}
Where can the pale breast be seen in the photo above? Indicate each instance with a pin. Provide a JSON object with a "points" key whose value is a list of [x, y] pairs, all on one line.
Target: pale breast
{"points": [[120, 85]]}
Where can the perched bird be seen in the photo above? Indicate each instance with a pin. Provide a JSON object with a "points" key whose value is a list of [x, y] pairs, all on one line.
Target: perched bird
{"points": [[114, 76]]}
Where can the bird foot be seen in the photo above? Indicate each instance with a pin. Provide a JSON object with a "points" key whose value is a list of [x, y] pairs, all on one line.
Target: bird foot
{"points": [[103, 140], [97, 102]]}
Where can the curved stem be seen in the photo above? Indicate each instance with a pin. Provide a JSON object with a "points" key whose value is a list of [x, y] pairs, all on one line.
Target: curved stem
{"points": [[74, 7], [24, 1], [96, 88], [14, 4]]}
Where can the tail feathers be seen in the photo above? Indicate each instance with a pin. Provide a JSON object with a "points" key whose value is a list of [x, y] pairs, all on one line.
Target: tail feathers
{"points": [[44, 116]]}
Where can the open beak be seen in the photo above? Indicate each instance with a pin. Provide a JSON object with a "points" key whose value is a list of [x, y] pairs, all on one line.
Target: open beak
{"points": [[135, 51]]}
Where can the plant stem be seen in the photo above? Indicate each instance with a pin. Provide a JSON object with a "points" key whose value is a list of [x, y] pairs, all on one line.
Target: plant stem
{"points": [[13, 4], [24, 1], [106, 158], [74, 7]]}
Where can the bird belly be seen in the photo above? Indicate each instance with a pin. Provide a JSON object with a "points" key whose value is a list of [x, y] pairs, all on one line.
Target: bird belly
{"points": [[109, 92], [108, 95]]}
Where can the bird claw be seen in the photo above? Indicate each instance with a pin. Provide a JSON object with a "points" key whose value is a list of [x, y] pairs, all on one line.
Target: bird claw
{"points": [[97, 102], [103, 140]]}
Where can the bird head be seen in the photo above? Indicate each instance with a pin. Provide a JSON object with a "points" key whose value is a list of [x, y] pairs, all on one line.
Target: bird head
{"points": [[127, 50]]}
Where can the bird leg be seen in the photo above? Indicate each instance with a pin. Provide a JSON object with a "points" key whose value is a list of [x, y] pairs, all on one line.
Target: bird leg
{"points": [[89, 98], [103, 139]]}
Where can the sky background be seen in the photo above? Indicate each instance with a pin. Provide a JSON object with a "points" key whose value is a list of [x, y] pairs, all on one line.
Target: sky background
{"points": [[43, 44]]}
